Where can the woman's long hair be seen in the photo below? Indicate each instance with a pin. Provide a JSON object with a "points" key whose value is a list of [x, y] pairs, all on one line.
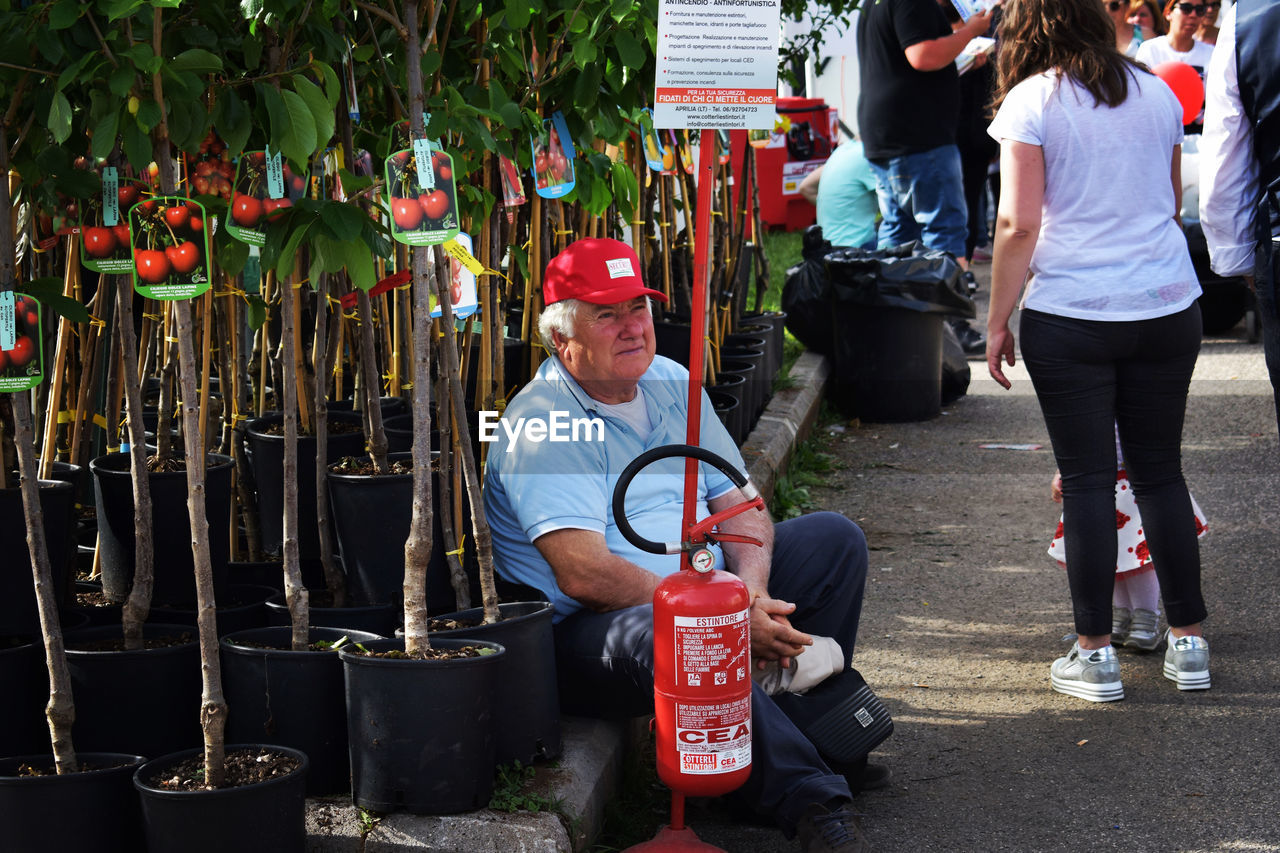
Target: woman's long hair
{"points": [[1076, 37]]}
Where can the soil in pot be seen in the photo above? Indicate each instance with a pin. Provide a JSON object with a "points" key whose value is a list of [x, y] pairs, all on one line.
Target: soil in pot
{"points": [[295, 699], [170, 524], [261, 810], [92, 811], [422, 731], [527, 704], [145, 702], [266, 443]]}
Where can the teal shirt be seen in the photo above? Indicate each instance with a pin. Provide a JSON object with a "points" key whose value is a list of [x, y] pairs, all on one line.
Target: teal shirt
{"points": [[847, 205]]}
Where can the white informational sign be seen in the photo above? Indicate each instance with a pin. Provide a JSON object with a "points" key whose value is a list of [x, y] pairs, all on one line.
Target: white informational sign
{"points": [[794, 172], [717, 64]]}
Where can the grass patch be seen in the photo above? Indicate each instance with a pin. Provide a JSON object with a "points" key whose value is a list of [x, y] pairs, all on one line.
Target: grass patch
{"points": [[808, 467], [642, 804]]}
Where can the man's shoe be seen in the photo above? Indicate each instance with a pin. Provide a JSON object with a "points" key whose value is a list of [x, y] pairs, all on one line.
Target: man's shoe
{"points": [[1143, 633], [1120, 619], [873, 778], [1089, 674], [971, 340], [982, 255], [1186, 661], [837, 830]]}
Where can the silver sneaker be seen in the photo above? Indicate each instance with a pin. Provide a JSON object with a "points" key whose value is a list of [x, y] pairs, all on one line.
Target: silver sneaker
{"points": [[1120, 619], [1143, 632], [1186, 661], [1088, 674]]}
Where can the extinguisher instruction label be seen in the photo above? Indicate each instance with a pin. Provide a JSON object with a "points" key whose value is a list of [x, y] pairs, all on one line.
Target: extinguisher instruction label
{"points": [[712, 650], [714, 738]]}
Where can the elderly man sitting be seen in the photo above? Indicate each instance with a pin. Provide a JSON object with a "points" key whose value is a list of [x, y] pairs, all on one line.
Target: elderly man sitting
{"points": [[549, 504]]}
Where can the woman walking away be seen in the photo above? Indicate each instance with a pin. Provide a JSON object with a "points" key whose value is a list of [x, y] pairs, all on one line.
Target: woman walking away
{"points": [[1110, 326]]}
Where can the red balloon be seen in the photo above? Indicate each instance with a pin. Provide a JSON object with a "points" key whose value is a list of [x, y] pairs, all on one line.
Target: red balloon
{"points": [[1186, 85]]}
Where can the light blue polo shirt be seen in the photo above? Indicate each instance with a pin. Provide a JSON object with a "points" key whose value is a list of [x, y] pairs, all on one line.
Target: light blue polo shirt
{"points": [[545, 485]]}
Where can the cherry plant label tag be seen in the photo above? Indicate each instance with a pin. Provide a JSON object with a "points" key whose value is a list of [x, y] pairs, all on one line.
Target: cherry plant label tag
{"points": [[170, 248], [252, 205], [512, 189], [106, 247], [656, 155], [422, 217], [21, 342], [553, 174], [463, 269]]}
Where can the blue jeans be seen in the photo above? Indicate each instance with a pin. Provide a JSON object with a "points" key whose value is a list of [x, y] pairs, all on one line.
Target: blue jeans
{"points": [[922, 198], [604, 661], [1091, 378]]}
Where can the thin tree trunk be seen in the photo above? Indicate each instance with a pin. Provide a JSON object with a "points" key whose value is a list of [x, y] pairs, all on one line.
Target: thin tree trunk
{"points": [[295, 593], [479, 524], [444, 476], [417, 549], [138, 605], [213, 705], [319, 364]]}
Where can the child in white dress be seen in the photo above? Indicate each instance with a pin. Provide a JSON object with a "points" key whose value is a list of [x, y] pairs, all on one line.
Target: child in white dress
{"points": [[1135, 603]]}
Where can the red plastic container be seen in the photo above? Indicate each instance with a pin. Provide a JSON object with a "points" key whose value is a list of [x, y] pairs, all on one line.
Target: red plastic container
{"points": [[783, 165]]}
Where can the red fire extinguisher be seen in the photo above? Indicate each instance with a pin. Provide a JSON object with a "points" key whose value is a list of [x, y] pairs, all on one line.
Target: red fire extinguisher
{"points": [[701, 647]]}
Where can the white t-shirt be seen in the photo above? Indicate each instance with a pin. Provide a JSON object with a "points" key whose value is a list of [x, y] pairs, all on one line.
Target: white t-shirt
{"points": [[1158, 50], [1108, 247]]}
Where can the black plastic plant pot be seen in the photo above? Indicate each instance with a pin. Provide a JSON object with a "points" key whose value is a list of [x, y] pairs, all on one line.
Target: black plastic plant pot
{"points": [[760, 384], [743, 340], [243, 608], [268, 472], [380, 619], [672, 340], [527, 705], [777, 323], [371, 518], [727, 408], [422, 731], [22, 723], [294, 699], [93, 811], [390, 406], [145, 702], [271, 573], [737, 387], [18, 611], [265, 817], [170, 526]]}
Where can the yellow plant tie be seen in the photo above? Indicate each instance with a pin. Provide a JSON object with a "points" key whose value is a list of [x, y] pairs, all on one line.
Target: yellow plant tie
{"points": [[462, 547]]}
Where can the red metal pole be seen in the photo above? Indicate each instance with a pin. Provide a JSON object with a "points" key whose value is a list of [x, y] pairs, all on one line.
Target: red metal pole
{"points": [[698, 331]]}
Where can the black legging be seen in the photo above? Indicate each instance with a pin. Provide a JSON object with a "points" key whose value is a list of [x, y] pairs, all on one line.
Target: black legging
{"points": [[1091, 377]]}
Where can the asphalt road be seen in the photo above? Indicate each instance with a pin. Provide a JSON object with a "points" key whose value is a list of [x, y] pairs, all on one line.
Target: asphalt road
{"points": [[965, 611]]}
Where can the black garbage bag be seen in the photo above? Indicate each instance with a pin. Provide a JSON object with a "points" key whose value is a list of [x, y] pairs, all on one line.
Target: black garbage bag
{"points": [[909, 276], [955, 367], [806, 296], [888, 307]]}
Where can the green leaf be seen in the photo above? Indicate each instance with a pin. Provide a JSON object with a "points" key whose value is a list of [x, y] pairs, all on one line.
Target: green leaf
{"points": [[299, 141], [284, 266], [318, 104], [362, 54], [230, 252], [352, 183], [49, 46], [252, 51], [344, 221], [256, 311], [63, 14], [358, 262], [121, 80], [117, 9], [629, 48], [332, 85], [49, 292], [584, 52], [137, 145], [196, 61], [586, 88], [104, 135], [148, 115], [518, 14], [232, 119], [60, 118]]}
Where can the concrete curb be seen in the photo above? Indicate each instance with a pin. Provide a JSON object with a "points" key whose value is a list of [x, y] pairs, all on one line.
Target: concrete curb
{"points": [[586, 775]]}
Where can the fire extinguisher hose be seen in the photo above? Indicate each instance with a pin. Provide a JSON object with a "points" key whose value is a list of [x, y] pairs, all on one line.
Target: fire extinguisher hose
{"points": [[666, 452]]}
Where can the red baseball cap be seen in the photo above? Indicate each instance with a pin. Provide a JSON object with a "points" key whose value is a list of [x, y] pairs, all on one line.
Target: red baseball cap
{"points": [[595, 270]]}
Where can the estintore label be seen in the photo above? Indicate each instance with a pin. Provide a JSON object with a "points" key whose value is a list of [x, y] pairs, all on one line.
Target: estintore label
{"points": [[620, 268], [712, 650]]}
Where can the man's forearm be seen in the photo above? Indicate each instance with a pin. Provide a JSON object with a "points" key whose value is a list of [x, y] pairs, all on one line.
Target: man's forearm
{"points": [[749, 562]]}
